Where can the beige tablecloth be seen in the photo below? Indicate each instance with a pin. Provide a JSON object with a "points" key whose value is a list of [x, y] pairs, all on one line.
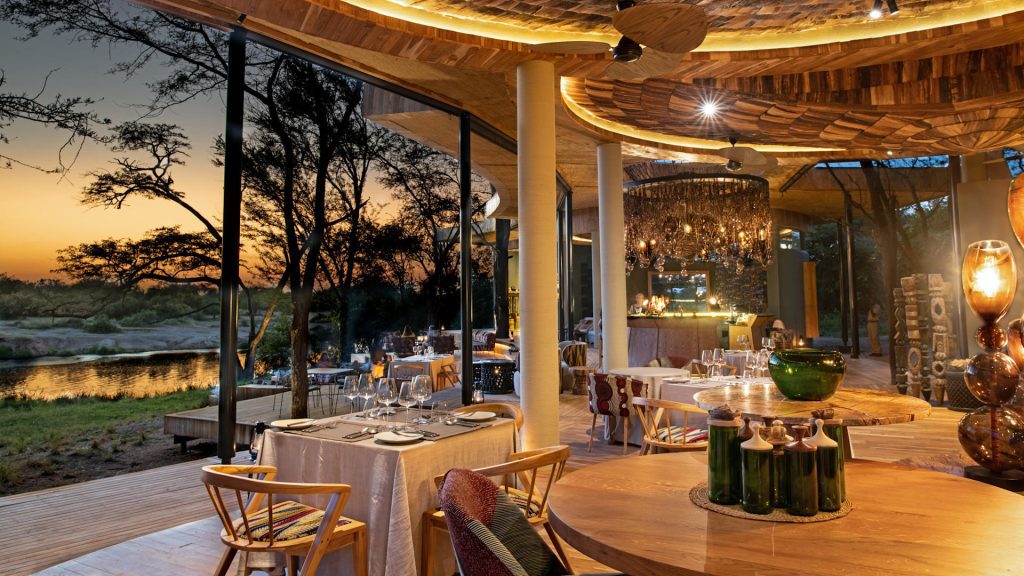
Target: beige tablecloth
{"points": [[431, 364], [392, 486]]}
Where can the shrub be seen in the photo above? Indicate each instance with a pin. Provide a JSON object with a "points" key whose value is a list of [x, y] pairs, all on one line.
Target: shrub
{"points": [[101, 325], [145, 317]]}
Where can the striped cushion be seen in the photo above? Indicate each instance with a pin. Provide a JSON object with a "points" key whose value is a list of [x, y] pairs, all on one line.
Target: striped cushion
{"points": [[676, 433], [291, 521], [522, 499]]}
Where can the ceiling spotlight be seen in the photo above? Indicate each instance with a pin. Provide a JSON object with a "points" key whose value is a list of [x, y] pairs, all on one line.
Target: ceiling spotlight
{"points": [[709, 108], [876, 10], [889, 152], [627, 50], [893, 7]]}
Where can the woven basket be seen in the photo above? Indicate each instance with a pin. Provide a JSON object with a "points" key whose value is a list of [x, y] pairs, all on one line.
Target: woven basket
{"points": [[960, 398]]}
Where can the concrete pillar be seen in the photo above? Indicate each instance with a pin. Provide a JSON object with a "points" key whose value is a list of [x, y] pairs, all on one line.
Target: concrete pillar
{"points": [[611, 226], [538, 246], [595, 258]]}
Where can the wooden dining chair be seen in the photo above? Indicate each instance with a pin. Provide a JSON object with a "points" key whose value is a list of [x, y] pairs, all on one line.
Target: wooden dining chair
{"points": [[503, 410], [611, 396], [659, 431], [526, 479], [448, 376], [288, 527]]}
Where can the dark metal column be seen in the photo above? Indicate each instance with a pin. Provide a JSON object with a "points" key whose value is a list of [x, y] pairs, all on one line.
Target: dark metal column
{"points": [[466, 256], [502, 232], [851, 283], [230, 249], [844, 305], [568, 305], [955, 177], [562, 280]]}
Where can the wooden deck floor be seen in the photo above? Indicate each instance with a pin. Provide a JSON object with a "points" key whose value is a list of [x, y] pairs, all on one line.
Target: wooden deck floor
{"points": [[179, 543]]}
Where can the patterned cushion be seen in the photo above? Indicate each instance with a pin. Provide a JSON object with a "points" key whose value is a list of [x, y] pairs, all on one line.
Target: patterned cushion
{"points": [[676, 432], [291, 521], [490, 535], [530, 507]]}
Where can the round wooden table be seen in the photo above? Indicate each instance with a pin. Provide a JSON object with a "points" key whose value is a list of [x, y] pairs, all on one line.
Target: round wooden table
{"points": [[856, 407], [635, 515]]}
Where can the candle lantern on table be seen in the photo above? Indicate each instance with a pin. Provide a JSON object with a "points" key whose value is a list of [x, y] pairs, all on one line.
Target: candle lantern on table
{"points": [[993, 435]]}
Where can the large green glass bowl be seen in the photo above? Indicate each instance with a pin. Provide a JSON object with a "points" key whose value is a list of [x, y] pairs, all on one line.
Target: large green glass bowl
{"points": [[807, 374]]}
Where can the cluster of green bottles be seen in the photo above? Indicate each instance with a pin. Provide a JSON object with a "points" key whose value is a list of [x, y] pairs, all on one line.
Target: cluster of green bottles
{"points": [[764, 468]]}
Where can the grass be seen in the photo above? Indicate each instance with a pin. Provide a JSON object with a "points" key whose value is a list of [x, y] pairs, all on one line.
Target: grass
{"points": [[38, 436]]}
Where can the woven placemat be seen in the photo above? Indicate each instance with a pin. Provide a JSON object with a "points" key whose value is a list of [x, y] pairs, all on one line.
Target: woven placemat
{"points": [[699, 496]]}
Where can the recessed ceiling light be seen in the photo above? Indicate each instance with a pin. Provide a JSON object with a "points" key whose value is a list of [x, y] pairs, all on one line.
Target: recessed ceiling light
{"points": [[876, 10], [709, 108], [889, 152]]}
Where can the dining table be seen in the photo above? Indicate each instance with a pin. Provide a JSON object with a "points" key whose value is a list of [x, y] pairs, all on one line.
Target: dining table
{"points": [[635, 515], [855, 406], [432, 364], [652, 377], [392, 485]]}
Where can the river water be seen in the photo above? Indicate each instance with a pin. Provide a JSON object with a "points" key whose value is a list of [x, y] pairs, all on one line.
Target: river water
{"points": [[135, 375]]}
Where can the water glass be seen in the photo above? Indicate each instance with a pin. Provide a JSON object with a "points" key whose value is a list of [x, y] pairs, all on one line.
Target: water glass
{"points": [[366, 390], [387, 394], [705, 360]]}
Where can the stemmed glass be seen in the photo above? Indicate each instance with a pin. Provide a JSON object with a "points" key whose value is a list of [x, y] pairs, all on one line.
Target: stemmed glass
{"points": [[705, 361], [387, 394], [406, 398], [768, 342], [744, 341], [718, 359], [366, 391], [422, 390], [351, 391]]}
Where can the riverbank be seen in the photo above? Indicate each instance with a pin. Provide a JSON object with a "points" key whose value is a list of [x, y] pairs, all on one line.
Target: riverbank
{"points": [[46, 444], [37, 337]]}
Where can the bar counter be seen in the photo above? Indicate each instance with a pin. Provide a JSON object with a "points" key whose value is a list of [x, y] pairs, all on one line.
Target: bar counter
{"points": [[685, 336]]}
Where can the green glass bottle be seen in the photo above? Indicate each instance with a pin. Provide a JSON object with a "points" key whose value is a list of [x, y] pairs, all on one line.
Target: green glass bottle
{"points": [[834, 430], [756, 455], [802, 472], [778, 438], [724, 481], [826, 456]]}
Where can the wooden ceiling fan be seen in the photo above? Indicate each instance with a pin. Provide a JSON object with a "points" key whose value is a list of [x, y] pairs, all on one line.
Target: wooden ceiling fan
{"points": [[655, 36]]}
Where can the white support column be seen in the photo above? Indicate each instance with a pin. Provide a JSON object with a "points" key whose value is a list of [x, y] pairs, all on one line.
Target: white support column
{"points": [[538, 246], [595, 257], [611, 223]]}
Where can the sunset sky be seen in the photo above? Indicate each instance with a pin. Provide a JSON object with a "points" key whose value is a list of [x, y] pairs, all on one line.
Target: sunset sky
{"points": [[42, 212]]}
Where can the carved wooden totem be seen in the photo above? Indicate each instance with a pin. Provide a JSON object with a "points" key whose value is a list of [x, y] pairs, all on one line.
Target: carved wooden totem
{"points": [[940, 335], [924, 328], [898, 340], [913, 335]]}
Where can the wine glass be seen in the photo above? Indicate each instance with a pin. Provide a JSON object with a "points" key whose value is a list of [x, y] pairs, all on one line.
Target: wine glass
{"points": [[406, 398], [387, 394], [351, 391], [705, 361], [767, 342], [423, 390], [366, 391], [743, 341], [718, 359]]}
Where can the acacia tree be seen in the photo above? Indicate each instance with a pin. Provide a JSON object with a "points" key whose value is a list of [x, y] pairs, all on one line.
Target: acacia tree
{"points": [[426, 185], [165, 254], [71, 115]]}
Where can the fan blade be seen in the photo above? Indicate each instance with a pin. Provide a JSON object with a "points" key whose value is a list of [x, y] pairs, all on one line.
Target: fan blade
{"points": [[668, 27], [652, 63], [572, 47]]}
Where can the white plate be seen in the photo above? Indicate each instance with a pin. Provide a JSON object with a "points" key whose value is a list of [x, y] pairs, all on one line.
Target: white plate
{"points": [[396, 438], [296, 424], [478, 416]]}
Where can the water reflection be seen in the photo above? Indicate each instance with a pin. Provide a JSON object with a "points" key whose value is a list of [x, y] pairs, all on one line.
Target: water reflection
{"points": [[133, 375]]}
